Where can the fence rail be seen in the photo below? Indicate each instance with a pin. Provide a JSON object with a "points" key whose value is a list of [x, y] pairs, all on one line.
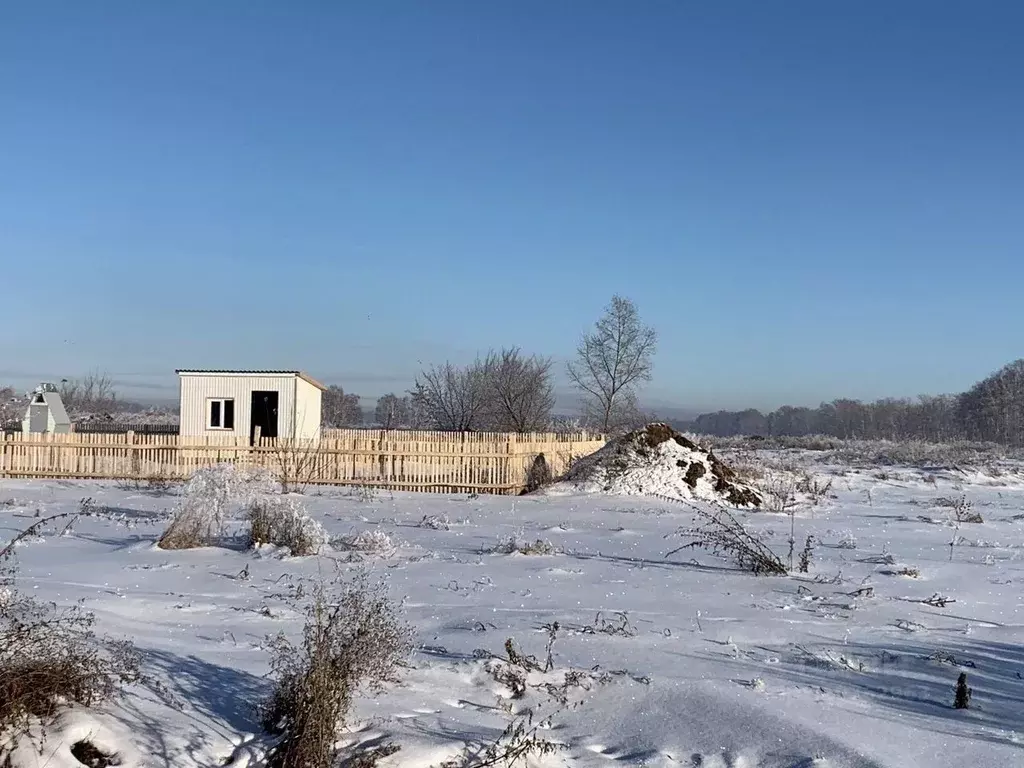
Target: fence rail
{"points": [[116, 427], [107, 427], [414, 461]]}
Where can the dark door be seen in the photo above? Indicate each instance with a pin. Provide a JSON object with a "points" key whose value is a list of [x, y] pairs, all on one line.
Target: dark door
{"points": [[264, 415]]}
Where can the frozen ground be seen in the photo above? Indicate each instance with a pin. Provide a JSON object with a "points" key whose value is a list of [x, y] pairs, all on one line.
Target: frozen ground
{"points": [[842, 667]]}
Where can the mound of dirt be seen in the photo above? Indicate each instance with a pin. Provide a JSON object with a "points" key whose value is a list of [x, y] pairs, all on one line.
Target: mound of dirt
{"points": [[657, 461]]}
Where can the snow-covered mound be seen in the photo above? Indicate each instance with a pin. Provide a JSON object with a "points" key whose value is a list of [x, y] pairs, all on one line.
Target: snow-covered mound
{"points": [[657, 461]]}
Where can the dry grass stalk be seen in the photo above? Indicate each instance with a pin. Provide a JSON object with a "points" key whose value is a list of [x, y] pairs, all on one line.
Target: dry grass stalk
{"points": [[720, 533], [297, 463]]}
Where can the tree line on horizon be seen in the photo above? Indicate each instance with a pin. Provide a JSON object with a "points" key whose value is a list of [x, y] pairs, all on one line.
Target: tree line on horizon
{"points": [[990, 411], [512, 391]]}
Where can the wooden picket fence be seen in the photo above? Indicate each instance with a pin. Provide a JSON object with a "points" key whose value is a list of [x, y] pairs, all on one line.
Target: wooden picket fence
{"points": [[446, 462]]}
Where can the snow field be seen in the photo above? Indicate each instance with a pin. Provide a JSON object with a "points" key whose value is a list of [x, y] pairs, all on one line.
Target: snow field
{"points": [[691, 662]]}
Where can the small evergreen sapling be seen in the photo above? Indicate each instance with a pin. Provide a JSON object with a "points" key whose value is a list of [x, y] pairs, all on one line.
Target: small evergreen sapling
{"points": [[963, 693]]}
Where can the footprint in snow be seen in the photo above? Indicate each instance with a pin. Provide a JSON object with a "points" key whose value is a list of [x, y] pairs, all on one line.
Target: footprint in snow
{"points": [[635, 757], [603, 751]]}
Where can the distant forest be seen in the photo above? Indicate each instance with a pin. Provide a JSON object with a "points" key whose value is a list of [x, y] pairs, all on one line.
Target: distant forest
{"points": [[991, 411]]}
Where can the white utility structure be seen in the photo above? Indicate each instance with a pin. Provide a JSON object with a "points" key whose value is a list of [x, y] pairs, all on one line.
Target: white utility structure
{"points": [[46, 412], [280, 403]]}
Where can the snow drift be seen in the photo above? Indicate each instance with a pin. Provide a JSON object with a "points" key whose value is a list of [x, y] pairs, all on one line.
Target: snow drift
{"points": [[657, 461]]}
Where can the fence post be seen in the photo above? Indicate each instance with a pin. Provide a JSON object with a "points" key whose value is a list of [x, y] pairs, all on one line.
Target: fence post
{"points": [[133, 457], [510, 467]]}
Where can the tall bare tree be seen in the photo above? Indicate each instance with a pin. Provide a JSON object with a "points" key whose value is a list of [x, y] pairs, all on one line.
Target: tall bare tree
{"points": [[392, 411], [611, 362], [453, 398], [521, 393]]}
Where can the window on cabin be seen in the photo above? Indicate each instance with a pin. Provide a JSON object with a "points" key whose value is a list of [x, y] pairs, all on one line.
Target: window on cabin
{"points": [[221, 412]]}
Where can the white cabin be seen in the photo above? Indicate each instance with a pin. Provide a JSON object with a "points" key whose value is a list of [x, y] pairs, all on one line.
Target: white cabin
{"points": [[46, 412], [234, 403]]}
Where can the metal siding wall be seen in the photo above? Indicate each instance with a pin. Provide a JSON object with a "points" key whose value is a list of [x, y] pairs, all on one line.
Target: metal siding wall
{"points": [[308, 405], [196, 390]]}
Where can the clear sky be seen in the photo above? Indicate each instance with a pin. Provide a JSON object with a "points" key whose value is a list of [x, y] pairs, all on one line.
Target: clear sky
{"points": [[806, 199]]}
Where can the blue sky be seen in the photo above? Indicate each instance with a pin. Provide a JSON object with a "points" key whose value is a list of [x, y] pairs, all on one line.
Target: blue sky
{"points": [[806, 199]]}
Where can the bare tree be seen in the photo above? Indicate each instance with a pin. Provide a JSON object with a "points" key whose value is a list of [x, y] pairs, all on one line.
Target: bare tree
{"points": [[611, 361], [12, 407], [392, 411], [520, 392], [89, 395], [454, 398], [418, 416], [993, 409], [340, 409]]}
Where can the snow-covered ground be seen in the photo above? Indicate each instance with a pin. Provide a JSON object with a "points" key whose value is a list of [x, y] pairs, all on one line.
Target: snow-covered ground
{"points": [[844, 666]]}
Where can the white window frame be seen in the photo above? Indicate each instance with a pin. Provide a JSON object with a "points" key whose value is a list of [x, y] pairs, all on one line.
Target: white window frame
{"points": [[209, 413]]}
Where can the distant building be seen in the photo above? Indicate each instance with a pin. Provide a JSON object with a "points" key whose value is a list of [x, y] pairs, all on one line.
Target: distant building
{"points": [[280, 403], [46, 412]]}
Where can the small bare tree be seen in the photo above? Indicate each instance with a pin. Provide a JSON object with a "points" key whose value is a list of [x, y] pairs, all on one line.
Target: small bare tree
{"points": [[611, 361], [392, 411], [520, 393], [454, 398]]}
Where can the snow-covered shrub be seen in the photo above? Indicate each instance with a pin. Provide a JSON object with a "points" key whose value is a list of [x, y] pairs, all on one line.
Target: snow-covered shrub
{"points": [[351, 641], [207, 500], [778, 490], [816, 490], [514, 544], [283, 522], [365, 493], [749, 472], [374, 542], [538, 474], [847, 541], [50, 657], [960, 508], [434, 522]]}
